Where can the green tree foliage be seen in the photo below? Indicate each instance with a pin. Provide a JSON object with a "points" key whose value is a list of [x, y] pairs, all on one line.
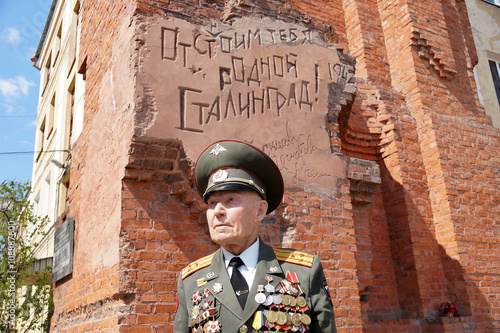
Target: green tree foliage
{"points": [[25, 294]]}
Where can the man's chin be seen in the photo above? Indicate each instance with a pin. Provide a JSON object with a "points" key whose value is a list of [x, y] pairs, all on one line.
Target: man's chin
{"points": [[223, 241]]}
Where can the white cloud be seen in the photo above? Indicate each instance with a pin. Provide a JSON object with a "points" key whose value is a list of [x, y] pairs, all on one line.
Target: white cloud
{"points": [[24, 84], [9, 109], [14, 87], [10, 35], [32, 124]]}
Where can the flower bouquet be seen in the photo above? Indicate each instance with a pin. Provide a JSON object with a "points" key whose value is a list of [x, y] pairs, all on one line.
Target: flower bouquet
{"points": [[449, 309]]}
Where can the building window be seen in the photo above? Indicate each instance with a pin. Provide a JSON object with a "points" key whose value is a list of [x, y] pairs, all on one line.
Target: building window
{"points": [[46, 197], [493, 2], [36, 204], [51, 115], [63, 197], [495, 73], [70, 115], [57, 43], [41, 140], [48, 67], [73, 35]]}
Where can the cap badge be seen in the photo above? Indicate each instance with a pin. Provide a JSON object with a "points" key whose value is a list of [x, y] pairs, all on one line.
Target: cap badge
{"points": [[220, 176], [217, 149]]}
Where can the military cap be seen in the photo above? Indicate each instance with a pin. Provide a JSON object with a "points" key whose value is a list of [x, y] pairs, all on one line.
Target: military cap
{"points": [[230, 165]]}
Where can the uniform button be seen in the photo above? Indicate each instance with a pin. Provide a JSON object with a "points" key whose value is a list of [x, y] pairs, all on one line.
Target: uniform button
{"points": [[243, 329]]}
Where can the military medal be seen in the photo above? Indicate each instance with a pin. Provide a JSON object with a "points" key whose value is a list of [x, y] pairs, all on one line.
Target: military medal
{"points": [[269, 287], [292, 277], [206, 305], [206, 293], [212, 327], [217, 288], [195, 312], [280, 318], [268, 301], [296, 320], [260, 297], [305, 319], [301, 301], [258, 320], [276, 299], [196, 298], [271, 316], [284, 286], [285, 299]]}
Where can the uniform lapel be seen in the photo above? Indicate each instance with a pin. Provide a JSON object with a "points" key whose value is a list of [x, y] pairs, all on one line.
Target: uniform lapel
{"points": [[217, 273], [267, 265]]}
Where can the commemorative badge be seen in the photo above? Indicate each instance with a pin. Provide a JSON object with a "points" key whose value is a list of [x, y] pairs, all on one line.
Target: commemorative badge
{"points": [[217, 288]]}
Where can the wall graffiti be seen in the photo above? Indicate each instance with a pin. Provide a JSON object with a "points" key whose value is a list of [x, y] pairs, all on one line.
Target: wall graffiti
{"points": [[256, 79]]}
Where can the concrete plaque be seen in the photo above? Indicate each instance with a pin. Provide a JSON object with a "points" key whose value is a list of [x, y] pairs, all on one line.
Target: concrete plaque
{"points": [[257, 80], [63, 250]]}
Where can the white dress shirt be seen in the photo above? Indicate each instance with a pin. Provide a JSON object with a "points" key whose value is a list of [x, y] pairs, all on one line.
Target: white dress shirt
{"points": [[249, 257]]}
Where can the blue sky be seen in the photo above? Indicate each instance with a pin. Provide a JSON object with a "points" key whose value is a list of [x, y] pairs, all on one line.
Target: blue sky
{"points": [[21, 25]]}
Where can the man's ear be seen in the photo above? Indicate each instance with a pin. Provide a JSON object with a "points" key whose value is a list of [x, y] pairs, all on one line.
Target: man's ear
{"points": [[262, 209]]}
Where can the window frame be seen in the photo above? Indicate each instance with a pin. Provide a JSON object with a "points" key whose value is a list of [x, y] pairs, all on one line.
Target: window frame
{"points": [[493, 2], [495, 78]]}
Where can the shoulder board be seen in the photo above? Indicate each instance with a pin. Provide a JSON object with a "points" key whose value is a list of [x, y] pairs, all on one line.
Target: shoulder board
{"points": [[294, 257], [196, 265]]}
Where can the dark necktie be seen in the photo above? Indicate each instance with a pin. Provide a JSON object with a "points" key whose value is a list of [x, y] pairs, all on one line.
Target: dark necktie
{"points": [[238, 282]]}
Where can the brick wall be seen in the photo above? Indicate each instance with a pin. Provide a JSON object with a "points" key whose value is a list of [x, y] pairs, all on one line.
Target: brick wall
{"points": [[414, 222], [89, 299]]}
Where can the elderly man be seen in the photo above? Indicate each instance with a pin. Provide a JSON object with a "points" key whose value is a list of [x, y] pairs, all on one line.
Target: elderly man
{"points": [[247, 285]]}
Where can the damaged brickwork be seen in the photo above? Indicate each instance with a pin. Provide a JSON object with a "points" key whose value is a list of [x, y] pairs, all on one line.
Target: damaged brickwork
{"points": [[391, 166]]}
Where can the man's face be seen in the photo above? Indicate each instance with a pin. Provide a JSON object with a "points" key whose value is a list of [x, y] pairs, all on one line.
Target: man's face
{"points": [[234, 218]]}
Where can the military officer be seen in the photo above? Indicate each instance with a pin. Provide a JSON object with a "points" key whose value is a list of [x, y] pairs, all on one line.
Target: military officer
{"points": [[247, 285]]}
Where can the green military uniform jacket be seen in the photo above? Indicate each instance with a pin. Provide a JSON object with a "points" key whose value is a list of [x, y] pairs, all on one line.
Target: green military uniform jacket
{"points": [[207, 302]]}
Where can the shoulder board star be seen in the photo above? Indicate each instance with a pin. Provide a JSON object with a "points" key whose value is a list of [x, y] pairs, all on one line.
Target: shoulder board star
{"points": [[196, 265], [294, 257]]}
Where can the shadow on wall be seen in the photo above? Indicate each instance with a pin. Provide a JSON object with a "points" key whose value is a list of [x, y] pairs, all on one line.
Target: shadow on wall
{"points": [[404, 273]]}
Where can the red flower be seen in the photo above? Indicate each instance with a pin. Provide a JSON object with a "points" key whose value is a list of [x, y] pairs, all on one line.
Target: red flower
{"points": [[449, 308]]}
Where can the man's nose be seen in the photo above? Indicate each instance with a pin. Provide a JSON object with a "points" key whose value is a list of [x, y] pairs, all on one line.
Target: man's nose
{"points": [[219, 209]]}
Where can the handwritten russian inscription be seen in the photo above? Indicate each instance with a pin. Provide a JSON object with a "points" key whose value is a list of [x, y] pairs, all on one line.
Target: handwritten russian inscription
{"points": [[256, 79], [253, 74], [292, 154]]}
